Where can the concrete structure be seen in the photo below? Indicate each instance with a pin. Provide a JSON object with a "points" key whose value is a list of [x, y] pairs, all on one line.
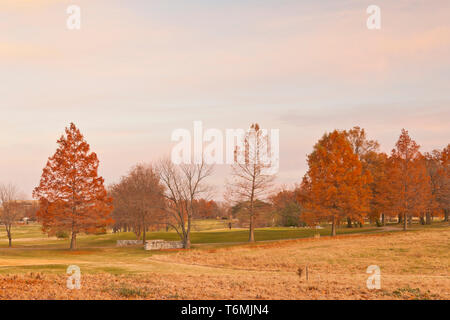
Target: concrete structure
{"points": [[126, 243], [151, 244], [161, 244]]}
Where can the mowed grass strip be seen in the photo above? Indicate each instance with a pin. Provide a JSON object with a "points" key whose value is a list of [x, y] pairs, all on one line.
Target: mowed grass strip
{"points": [[29, 236]]}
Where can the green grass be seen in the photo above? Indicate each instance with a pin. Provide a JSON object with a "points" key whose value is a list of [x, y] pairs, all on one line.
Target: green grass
{"points": [[34, 252], [31, 230], [30, 236], [45, 268], [209, 224]]}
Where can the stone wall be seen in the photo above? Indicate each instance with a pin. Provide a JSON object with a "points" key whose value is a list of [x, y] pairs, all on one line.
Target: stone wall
{"points": [[126, 243], [151, 244], [161, 244]]}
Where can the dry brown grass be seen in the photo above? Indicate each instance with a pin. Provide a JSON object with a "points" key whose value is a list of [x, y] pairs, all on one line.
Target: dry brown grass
{"points": [[337, 267], [425, 252], [414, 265]]}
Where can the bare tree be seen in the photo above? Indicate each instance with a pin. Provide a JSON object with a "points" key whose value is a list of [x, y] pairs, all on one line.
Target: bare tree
{"points": [[183, 184], [10, 207], [251, 178]]}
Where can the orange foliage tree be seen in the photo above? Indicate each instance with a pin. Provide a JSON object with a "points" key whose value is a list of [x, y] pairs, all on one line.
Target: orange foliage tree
{"points": [[138, 200], [335, 186], [286, 207], [205, 209], [443, 193], [371, 160], [72, 196], [377, 165], [433, 166], [438, 167], [409, 189]]}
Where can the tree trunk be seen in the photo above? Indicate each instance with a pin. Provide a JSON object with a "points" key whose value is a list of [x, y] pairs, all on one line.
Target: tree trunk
{"points": [[187, 235], [9, 239], [446, 215], [422, 220], [405, 222], [400, 218], [144, 231], [144, 239], [428, 218], [349, 222], [187, 241], [251, 237], [8, 232], [333, 227], [383, 219], [73, 241]]}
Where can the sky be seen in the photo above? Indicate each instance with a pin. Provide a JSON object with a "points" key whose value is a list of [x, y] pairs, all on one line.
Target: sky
{"points": [[137, 70]]}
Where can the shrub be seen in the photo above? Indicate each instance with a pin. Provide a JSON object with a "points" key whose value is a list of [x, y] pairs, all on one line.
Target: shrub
{"points": [[131, 292], [62, 234], [100, 231]]}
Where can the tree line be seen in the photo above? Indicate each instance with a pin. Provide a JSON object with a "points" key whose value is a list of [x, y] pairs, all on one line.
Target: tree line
{"points": [[348, 181], [348, 178]]}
